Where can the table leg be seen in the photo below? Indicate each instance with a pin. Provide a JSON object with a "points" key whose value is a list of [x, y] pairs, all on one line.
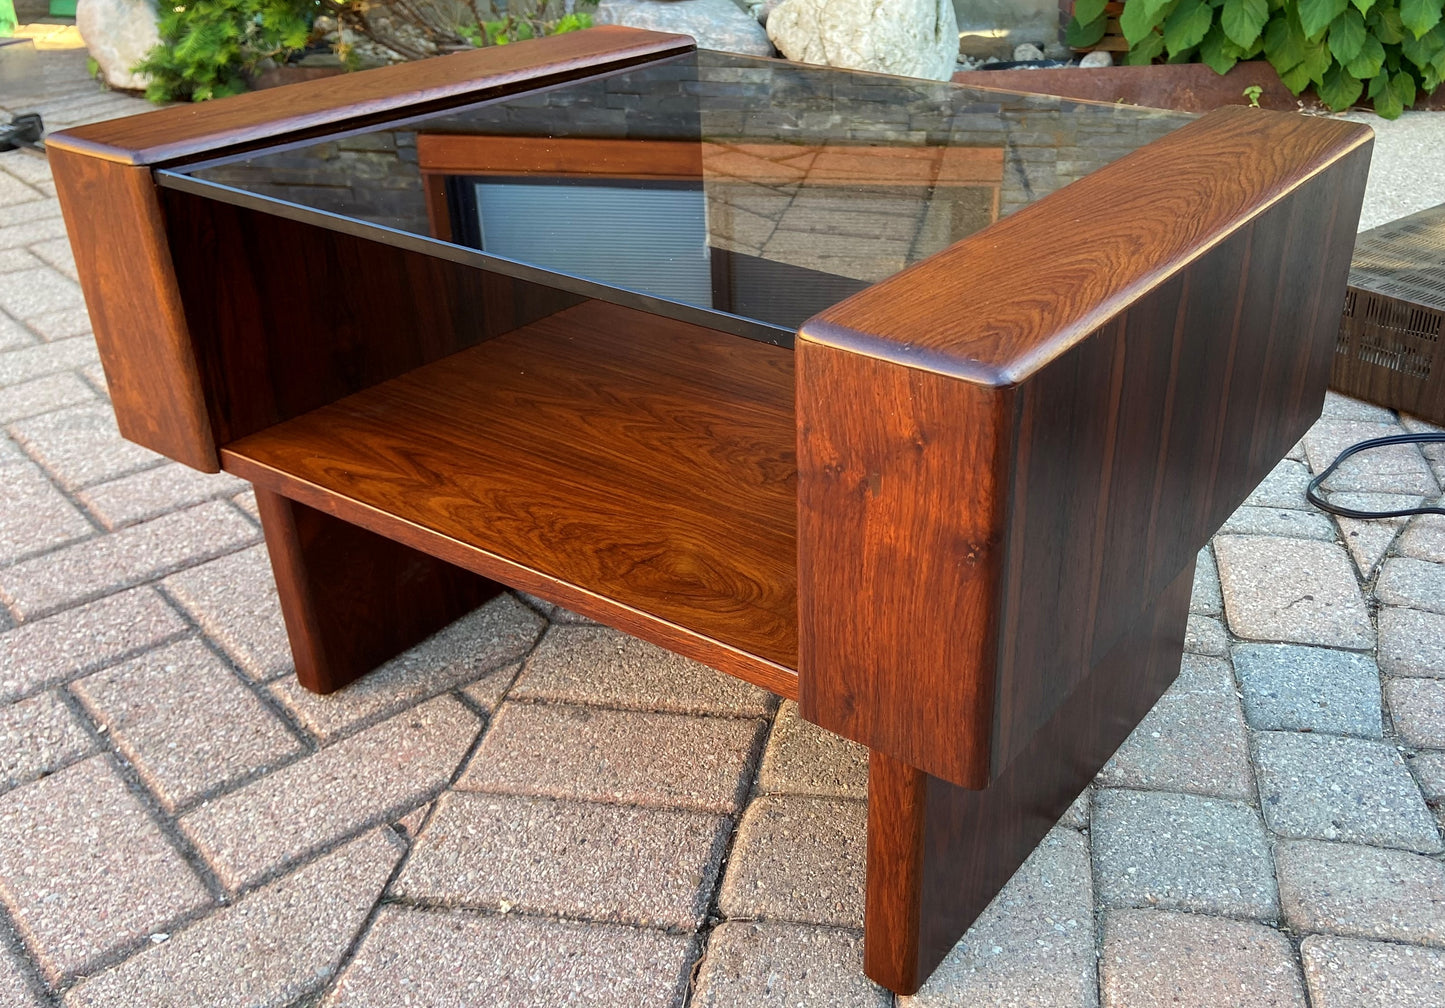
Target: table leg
{"points": [[938, 853], [353, 599]]}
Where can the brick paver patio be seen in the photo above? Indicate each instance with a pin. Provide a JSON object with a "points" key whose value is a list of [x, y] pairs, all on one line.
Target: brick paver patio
{"points": [[531, 810]]}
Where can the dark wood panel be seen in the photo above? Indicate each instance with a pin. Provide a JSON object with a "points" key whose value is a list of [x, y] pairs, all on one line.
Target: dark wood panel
{"points": [[938, 853], [307, 315], [352, 599], [1121, 451], [601, 453], [118, 236], [1134, 465], [258, 118], [902, 480], [1048, 276]]}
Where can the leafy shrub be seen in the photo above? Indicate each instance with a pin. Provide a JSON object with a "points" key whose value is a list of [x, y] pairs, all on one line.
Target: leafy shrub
{"points": [[414, 29], [207, 45], [1387, 49]]}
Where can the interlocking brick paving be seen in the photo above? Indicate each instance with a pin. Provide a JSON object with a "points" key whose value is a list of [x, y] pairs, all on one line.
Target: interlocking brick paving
{"points": [[646, 866], [1292, 590], [800, 859], [1153, 958], [84, 871], [412, 838]]}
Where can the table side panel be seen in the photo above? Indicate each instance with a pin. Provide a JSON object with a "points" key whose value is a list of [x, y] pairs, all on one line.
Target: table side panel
{"points": [[263, 118], [1134, 446], [1123, 450], [117, 232]]}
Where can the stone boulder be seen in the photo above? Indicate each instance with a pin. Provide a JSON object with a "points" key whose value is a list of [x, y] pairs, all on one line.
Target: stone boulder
{"points": [[915, 38], [119, 34], [716, 24]]}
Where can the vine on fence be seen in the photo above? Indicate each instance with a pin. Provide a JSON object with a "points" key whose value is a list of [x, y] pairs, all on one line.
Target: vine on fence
{"points": [[1386, 50]]}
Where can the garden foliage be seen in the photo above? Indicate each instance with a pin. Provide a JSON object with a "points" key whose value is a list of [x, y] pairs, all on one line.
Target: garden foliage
{"points": [[1385, 50], [208, 45]]}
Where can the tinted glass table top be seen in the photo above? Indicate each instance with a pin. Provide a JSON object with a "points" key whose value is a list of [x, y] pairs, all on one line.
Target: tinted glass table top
{"points": [[742, 193]]}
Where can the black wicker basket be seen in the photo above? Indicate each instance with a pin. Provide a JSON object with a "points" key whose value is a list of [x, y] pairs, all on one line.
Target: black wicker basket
{"points": [[1391, 350]]}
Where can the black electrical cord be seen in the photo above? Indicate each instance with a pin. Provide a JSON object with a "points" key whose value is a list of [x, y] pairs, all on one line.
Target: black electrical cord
{"points": [[1379, 442]]}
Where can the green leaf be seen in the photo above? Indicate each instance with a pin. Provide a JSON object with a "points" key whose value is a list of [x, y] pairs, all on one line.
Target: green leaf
{"points": [[1363, 5], [1368, 61], [1420, 15], [1084, 10], [1155, 10], [1317, 60], [1384, 23], [1243, 20], [1284, 46], [1386, 101], [1404, 87], [1186, 27], [1077, 36], [1339, 90], [1296, 79], [1347, 34], [1137, 22], [1145, 51], [1315, 15], [1217, 52]]}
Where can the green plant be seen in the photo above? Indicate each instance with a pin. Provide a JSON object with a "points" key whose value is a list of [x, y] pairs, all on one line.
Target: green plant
{"points": [[414, 29], [207, 45], [1385, 49], [509, 28], [1252, 94]]}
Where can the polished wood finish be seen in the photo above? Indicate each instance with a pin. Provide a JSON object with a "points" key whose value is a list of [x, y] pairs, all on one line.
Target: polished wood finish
{"points": [[635, 468], [1071, 420], [1030, 293], [938, 853], [335, 578], [308, 315], [581, 157], [263, 118], [123, 259], [777, 163], [901, 518]]}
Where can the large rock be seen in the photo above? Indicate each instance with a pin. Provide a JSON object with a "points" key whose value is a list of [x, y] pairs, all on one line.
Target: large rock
{"points": [[915, 38], [716, 24], [119, 34]]}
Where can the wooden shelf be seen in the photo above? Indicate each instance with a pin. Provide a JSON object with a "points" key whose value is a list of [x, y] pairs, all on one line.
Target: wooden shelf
{"points": [[635, 468]]}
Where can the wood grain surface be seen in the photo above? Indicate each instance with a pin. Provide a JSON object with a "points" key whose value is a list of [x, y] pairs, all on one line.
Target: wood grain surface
{"points": [[938, 853], [258, 118], [353, 599], [902, 494], [123, 260], [999, 305], [635, 468], [984, 515]]}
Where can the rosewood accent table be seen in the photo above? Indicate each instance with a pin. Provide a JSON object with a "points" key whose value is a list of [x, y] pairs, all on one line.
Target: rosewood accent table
{"points": [[810, 375]]}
